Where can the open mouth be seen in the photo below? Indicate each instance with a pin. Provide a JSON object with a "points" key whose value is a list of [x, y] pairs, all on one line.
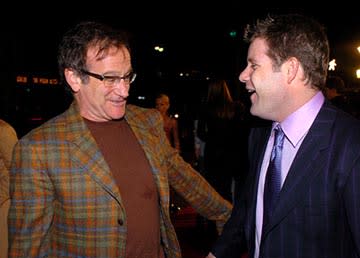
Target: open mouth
{"points": [[250, 92]]}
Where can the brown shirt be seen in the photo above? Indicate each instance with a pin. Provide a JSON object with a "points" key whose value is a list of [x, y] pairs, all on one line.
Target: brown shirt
{"points": [[132, 173]]}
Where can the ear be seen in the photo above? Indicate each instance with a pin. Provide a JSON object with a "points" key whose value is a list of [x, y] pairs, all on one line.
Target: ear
{"points": [[292, 66], [73, 79]]}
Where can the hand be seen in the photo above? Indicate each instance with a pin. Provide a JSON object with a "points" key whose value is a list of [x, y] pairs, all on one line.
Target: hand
{"points": [[210, 255]]}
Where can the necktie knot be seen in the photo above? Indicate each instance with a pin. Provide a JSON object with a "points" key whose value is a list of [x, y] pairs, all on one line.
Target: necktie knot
{"points": [[279, 137]]}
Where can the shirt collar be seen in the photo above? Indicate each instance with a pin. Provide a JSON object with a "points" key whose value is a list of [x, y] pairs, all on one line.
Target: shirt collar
{"points": [[298, 123]]}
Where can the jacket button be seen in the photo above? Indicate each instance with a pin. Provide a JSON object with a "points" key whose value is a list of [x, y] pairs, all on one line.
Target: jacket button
{"points": [[120, 222]]}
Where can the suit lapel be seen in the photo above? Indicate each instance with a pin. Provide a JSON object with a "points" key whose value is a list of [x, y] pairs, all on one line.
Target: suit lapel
{"points": [[148, 137], [257, 151], [306, 165], [86, 154]]}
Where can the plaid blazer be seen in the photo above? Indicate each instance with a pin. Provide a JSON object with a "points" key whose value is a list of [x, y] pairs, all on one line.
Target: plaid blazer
{"points": [[65, 202]]}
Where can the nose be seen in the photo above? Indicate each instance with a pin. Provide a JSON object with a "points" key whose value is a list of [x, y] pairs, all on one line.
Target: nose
{"points": [[122, 88], [244, 75]]}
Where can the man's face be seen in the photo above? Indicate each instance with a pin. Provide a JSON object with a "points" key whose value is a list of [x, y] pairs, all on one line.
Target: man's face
{"points": [[266, 85], [99, 101]]}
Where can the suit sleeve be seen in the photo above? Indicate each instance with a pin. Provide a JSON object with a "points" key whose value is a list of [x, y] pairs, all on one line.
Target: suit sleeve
{"points": [[188, 183], [31, 209], [351, 197]]}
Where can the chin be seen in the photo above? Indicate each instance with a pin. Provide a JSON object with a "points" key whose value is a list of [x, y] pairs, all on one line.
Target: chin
{"points": [[117, 115], [253, 111]]}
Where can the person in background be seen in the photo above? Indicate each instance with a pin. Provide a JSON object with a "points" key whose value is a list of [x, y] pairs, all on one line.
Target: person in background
{"points": [[162, 103], [316, 212], [335, 86], [8, 139], [199, 149], [170, 124], [82, 183], [219, 126]]}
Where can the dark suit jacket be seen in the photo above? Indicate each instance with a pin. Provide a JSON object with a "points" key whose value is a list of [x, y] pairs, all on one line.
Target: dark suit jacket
{"points": [[318, 212]]}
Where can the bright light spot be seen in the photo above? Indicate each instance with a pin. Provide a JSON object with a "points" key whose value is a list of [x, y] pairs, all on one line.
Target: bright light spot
{"points": [[232, 33], [159, 49], [358, 49], [176, 116], [358, 73], [332, 65]]}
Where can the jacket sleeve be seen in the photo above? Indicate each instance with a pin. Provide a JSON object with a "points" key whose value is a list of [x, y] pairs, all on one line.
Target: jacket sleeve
{"points": [[31, 209], [189, 184]]}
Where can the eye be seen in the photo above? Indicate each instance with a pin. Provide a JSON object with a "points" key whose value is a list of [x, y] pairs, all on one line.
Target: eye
{"points": [[126, 78], [112, 79], [253, 66]]}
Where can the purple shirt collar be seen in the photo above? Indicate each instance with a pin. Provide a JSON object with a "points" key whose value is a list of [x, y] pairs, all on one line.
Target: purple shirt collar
{"points": [[298, 123]]}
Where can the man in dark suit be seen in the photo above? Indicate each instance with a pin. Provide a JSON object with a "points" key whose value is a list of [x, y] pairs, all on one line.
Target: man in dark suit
{"points": [[317, 211]]}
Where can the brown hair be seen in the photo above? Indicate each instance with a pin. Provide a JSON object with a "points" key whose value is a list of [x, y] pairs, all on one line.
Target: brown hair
{"points": [[295, 35]]}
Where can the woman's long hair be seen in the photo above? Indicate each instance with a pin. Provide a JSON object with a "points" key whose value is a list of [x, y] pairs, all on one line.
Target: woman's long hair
{"points": [[219, 100]]}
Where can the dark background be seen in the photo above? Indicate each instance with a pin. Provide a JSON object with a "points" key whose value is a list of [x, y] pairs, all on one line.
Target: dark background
{"points": [[195, 36]]}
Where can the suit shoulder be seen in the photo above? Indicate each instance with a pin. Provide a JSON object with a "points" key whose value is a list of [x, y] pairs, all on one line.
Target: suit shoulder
{"points": [[348, 129], [139, 110], [346, 122], [150, 115]]}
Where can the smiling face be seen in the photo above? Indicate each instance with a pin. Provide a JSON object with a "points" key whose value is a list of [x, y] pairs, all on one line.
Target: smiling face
{"points": [[96, 101], [266, 84]]}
